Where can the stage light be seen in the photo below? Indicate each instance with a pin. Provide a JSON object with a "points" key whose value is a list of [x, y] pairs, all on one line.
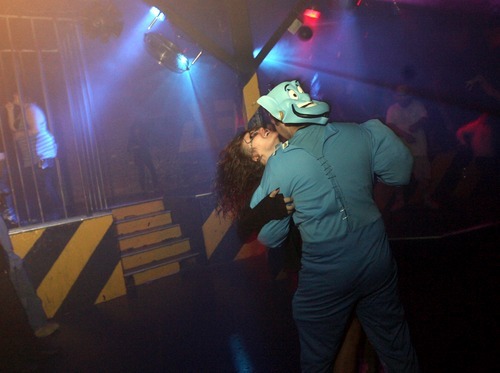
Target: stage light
{"points": [[310, 18], [166, 53], [305, 33], [158, 16], [157, 13], [311, 14]]}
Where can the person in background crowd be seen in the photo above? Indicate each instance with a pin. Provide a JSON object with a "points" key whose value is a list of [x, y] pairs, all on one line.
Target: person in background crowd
{"points": [[37, 151], [407, 117], [480, 140]]}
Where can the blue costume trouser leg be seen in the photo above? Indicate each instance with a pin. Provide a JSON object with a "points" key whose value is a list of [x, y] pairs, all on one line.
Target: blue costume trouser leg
{"points": [[383, 320], [320, 340], [382, 317], [356, 272], [321, 318]]}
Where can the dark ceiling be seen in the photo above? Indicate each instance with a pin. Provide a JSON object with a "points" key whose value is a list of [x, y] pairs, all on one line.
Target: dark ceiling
{"points": [[230, 30]]}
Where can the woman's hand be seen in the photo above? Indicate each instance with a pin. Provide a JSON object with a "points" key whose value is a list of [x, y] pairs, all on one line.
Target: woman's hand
{"points": [[290, 206], [274, 206]]}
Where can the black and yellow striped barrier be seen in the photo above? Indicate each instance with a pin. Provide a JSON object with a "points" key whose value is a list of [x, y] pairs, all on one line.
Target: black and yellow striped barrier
{"points": [[72, 264], [222, 242]]}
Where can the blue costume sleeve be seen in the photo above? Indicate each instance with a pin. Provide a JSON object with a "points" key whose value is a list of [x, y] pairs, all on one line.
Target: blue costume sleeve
{"points": [[392, 160], [275, 232]]}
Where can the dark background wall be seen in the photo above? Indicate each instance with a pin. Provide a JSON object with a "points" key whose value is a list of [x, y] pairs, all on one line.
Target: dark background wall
{"points": [[354, 60]]}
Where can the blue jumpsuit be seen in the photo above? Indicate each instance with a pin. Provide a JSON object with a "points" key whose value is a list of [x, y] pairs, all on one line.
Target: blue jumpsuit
{"points": [[346, 259]]}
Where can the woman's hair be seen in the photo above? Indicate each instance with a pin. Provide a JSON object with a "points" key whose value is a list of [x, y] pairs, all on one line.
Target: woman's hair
{"points": [[236, 179]]}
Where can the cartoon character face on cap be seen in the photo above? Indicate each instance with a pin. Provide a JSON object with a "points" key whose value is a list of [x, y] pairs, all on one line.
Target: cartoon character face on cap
{"points": [[288, 103]]}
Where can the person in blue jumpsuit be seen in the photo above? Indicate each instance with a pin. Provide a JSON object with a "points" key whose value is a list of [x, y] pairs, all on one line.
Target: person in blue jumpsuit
{"points": [[329, 169]]}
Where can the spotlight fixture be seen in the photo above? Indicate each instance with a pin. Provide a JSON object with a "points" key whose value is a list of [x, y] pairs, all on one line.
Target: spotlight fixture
{"points": [[305, 33], [159, 16], [102, 19], [166, 53], [304, 28]]}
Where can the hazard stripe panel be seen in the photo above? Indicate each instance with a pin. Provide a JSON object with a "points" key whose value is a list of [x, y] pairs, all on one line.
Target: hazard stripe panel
{"points": [[214, 230], [251, 93], [74, 264], [222, 243]]}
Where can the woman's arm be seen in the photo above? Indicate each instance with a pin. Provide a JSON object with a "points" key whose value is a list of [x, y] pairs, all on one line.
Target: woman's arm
{"points": [[275, 206]]}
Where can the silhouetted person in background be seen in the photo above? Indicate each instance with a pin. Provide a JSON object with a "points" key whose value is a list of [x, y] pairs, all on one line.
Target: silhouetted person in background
{"points": [[139, 146], [479, 141], [474, 171]]}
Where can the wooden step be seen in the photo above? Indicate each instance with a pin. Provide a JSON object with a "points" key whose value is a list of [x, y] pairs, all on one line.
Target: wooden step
{"points": [[149, 236], [137, 209], [156, 270], [138, 257], [143, 222]]}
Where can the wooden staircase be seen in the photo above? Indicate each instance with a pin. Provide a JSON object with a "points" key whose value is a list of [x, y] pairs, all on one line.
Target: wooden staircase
{"points": [[151, 245]]}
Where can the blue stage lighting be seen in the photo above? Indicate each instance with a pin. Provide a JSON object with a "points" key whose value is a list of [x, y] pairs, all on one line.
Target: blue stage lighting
{"points": [[166, 53], [159, 16], [157, 13]]}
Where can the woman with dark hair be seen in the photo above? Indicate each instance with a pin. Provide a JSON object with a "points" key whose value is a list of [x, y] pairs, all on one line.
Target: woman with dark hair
{"points": [[239, 171], [238, 175]]}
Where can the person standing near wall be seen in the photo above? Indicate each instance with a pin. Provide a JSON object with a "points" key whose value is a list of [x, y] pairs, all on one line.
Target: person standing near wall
{"points": [[37, 151]]}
